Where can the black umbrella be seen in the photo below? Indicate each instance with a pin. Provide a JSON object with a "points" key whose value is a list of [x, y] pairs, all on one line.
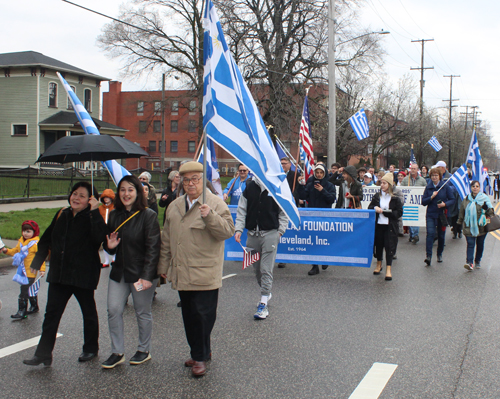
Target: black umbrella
{"points": [[91, 147]]}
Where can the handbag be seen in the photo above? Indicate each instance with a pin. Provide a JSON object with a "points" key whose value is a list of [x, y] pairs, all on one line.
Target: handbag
{"points": [[492, 223], [443, 219]]}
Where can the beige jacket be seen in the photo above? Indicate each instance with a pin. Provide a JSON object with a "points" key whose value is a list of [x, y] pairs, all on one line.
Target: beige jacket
{"points": [[192, 248]]}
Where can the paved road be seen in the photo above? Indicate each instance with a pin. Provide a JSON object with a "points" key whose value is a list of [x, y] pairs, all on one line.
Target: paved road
{"points": [[439, 325]]}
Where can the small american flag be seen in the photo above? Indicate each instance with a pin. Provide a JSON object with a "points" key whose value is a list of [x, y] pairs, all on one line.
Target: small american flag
{"points": [[250, 256], [34, 288]]}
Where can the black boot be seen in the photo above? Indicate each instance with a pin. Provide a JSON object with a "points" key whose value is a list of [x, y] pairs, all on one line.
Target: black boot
{"points": [[34, 305], [314, 270], [21, 313]]}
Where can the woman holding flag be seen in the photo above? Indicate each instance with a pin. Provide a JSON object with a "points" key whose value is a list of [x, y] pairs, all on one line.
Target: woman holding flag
{"points": [[473, 211]]}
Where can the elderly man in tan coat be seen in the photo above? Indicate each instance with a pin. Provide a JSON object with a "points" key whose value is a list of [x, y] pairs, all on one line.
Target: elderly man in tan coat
{"points": [[192, 256]]}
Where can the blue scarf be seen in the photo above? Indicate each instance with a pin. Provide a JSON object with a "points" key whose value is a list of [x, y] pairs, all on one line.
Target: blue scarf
{"points": [[471, 212]]}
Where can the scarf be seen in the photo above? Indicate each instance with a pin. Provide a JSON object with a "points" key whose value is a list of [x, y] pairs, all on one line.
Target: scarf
{"points": [[471, 212]]}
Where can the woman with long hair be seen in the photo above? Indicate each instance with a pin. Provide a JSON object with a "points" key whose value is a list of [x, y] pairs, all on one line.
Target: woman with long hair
{"points": [[389, 209], [473, 211], [135, 239], [424, 171], [438, 197], [73, 239]]}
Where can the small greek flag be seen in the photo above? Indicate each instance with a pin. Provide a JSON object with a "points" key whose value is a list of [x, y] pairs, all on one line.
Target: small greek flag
{"points": [[35, 287], [460, 179], [434, 143], [359, 123]]}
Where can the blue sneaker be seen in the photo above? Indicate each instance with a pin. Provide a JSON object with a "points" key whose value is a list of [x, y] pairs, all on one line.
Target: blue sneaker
{"points": [[262, 312]]}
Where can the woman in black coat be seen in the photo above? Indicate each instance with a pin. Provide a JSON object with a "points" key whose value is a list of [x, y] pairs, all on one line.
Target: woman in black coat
{"points": [[136, 242], [389, 209], [73, 239], [319, 193]]}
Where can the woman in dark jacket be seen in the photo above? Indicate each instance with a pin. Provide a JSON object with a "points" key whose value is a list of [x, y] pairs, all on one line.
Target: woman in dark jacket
{"points": [[136, 242], [319, 193], [438, 201], [351, 191], [153, 205], [74, 238], [389, 209], [170, 192]]}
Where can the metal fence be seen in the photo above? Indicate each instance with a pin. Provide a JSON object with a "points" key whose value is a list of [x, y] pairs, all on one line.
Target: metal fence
{"points": [[50, 182]]}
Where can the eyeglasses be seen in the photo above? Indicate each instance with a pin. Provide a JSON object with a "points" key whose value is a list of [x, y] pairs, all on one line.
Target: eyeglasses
{"points": [[194, 180], [243, 170]]}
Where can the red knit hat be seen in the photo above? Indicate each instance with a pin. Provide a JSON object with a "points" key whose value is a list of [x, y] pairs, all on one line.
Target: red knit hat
{"points": [[33, 226]]}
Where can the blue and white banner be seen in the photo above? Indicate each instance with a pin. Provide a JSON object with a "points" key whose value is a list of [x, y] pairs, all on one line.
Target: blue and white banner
{"points": [[324, 237], [359, 123], [434, 143]]}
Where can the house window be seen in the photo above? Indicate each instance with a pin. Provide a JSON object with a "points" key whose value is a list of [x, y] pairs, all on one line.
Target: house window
{"points": [[191, 126], [140, 107], [152, 146], [143, 125], [20, 130], [192, 106], [173, 146], [191, 146], [156, 126], [175, 106], [70, 106], [157, 107], [174, 125], [87, 99], [52, 94]]}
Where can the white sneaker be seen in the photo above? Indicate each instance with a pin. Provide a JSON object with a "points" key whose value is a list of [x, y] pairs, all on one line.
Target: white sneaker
{"points": [[262, 312]]}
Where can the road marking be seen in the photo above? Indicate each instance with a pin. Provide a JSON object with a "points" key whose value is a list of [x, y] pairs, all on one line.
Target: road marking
{"points": [[9, 350], [374, 382], [229, 275]]}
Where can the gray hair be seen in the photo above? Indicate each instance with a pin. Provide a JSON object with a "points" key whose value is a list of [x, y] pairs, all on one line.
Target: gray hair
{"points": [[171, 175], [147, 175]]}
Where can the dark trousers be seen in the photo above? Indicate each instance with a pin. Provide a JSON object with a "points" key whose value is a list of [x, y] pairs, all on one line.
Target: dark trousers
{"points": [[24, 294], [199, 311], [432, 224], [57, 298], [382, 241]]}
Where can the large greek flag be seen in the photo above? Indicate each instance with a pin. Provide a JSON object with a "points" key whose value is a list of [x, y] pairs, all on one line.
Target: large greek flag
{"points": [[359, 123], [115, 170], [434, 143], [212, 166], [474, 158], [460, 179], [231, 117]]}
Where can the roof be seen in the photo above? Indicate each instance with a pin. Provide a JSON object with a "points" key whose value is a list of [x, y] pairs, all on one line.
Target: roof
{"points": [[68, 118], [32, 58]]}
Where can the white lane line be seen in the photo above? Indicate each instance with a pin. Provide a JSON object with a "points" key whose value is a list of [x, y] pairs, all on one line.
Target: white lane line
{"points": [[229, 275], [9, 350], [374, 382]]}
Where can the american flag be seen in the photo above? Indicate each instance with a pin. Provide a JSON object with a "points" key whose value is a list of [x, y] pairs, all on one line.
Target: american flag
{"points": [[250, 256], [359, 123], [306, 153], [434, 143], [34, 288], [412, 156]]}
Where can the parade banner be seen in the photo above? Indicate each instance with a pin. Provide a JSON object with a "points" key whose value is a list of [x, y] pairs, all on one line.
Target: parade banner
{"points": [[413, 210], [324, 237]]}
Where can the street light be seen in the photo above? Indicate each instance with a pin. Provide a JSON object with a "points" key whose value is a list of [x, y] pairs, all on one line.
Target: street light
{"points": [[332, 99]]}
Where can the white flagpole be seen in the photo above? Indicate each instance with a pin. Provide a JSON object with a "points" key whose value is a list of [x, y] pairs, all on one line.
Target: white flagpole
{"points": [[204, 167]]}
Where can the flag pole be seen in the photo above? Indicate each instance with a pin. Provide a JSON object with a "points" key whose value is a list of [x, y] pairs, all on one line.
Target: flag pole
{"points": [[204, 167], [197, 152], [296, 168]]}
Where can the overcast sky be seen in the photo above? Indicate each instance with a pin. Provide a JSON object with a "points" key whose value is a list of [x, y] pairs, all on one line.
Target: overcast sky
{"points": [[465, 43]]}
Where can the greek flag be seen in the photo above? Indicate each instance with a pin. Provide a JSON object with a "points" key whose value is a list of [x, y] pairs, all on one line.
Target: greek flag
{"points": [[212, 167], [115, 170], [34, 288], [434, 143], [231, 117], [460, 179], [474, 158], [359, 123]]}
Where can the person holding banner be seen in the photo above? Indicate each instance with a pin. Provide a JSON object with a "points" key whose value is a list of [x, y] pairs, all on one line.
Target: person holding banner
{"points": [[473, 211], [236, 186], [319, 193], [350, 191], [389, 209], [192, 257], [438, 197]]}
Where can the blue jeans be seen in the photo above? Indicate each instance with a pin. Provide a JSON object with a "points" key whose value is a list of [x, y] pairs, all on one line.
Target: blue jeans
{"points": [[471, 243], [414, 231], [431, 224]]}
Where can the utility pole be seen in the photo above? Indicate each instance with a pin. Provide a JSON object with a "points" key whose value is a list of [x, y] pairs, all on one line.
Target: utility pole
{"points": [[450, 114], [466, 113], [332, 92], [162, 148], [422, 84]]}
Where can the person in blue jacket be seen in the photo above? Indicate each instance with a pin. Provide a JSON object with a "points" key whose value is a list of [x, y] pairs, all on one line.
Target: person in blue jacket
{"points": [[438, 201], [319, 193], [236, 186]]}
